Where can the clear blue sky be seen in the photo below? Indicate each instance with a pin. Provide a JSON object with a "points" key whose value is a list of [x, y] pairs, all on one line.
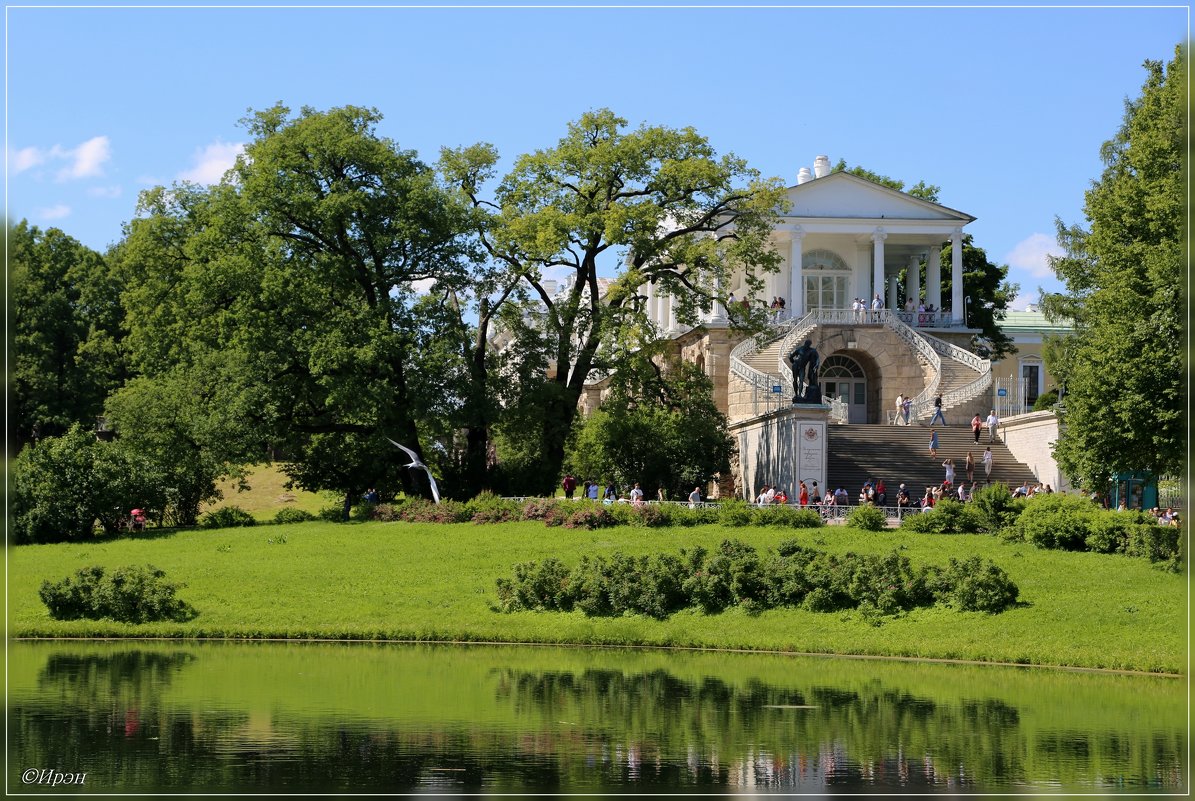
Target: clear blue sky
{"points": [[1004, 108]]}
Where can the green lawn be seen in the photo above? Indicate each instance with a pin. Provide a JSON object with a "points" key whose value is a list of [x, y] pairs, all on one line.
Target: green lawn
{"points": [[436, 582]]}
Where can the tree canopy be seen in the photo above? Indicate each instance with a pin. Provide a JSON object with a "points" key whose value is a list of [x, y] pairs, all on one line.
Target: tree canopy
{"points": [[1124, 373], [65, 337], [288, 294], [658, 199]]}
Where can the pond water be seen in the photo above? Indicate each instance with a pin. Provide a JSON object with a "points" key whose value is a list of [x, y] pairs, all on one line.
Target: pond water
{"points": [[170, 717]]}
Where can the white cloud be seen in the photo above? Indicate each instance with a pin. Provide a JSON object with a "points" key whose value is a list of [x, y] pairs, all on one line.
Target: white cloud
{"points": [[1030, 255], [53, 212], [105, 191], [211, 162], [25, 158], [423, 286], [87, 159]]}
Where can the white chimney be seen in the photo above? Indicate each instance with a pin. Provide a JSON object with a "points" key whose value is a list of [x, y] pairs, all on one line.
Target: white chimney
{"points": [[804, 176], [821, 166]]}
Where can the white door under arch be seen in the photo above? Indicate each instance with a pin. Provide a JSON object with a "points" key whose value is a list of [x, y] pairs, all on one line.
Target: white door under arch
{"points": [[841, 377]]}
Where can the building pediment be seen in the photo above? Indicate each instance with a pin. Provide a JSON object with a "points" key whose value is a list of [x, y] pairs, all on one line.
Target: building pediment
{"points": [[842, 195]]}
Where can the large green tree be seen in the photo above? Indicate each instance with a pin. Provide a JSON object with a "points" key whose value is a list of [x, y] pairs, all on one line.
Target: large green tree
{"points": [[659, 426], [292, 287], [1124, 374], [65, 318], [659, 200]]}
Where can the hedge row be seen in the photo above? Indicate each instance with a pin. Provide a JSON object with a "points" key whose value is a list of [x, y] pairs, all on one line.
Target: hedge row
{"points": [[737, 574], [1054, 521], [487, 508]]}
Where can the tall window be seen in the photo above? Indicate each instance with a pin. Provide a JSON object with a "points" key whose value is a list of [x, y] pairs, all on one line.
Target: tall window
{"points": [[827, 280]]}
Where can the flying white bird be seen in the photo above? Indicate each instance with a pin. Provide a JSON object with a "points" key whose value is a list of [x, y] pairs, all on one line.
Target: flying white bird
{"points": [[419, 465]]}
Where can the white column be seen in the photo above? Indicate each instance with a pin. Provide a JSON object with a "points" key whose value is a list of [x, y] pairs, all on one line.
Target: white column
{"points": [[933, 277], [913, 287], [796, 281], [649, 290], [673, 326], [877, 277], [893, 288], [717, 315], [657, 306], [956, 274]]}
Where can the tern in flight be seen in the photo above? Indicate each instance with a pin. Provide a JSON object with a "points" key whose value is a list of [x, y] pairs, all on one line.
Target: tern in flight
{"points": [[419, 465]]}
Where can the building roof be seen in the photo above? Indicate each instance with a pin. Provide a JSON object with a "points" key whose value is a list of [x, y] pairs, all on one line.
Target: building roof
{"points": [[1029, 322]]}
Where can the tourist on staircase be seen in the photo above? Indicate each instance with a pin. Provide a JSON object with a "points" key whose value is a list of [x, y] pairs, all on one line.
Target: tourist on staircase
{"points": [[938, 410]]}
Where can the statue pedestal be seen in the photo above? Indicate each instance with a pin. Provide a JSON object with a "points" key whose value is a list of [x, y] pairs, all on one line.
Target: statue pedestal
{"points": [[782, 449]]}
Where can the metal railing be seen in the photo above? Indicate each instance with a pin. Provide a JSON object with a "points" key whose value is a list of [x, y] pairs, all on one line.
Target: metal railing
{"points": [[972, 389], [923, 403]]}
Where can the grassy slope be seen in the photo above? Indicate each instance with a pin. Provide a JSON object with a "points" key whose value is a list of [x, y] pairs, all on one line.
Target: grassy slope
{"points": [[267, 494], [408, 581]]}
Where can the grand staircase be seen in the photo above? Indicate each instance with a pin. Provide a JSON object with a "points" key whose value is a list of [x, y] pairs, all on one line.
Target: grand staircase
{"points": [[760, 364], [896, 454]]}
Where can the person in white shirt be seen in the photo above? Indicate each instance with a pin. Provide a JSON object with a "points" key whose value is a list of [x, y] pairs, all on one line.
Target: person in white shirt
{"points": [[993, 423], [694, 497], [637, 495], [877, 304]]}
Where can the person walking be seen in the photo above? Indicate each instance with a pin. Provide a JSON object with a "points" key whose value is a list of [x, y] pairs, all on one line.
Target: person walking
{"points": [[637, 495], [900, 407], [695, 497], [907, 408], [803, 496], [976, 426], [987, 463], [993, 423], [970, 467], [592, 490], [569, 484], [938, 410], [933, 442]]}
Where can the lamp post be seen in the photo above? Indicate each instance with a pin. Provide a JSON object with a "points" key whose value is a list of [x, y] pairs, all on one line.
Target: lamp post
{"points": [[966, 308]]}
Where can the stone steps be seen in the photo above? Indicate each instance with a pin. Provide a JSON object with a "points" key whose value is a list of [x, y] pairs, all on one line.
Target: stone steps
{"points": [[896, 454]]}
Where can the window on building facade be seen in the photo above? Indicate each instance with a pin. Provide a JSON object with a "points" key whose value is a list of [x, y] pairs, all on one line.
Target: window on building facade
{"points": [[827, 280]]}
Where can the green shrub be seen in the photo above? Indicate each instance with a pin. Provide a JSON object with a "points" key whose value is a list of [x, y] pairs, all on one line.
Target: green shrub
{"points": [[543, 586], [867, 518], [1153, 542], [995, 507], [227, 517], [421, 510], [589, 516], [975, 585], [1046, 401], [734, 513], [292, 515], [489, 508], [1057, 521], [700, 516], [129, 594], [388, 512], [543, 508], [622, 584], [948, 517], [331, 514], [788, 516]]}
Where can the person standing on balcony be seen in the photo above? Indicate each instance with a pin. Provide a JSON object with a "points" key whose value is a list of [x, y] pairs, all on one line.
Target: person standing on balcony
{"points": [[938, 410], [877, 305]]}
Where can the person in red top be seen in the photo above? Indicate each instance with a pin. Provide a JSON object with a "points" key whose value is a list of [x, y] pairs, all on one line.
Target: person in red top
{"points": [[781, 496], [569, 485], [804, 496]]}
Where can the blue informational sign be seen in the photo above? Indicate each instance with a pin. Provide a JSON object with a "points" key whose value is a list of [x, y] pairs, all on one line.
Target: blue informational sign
{"points": [[1002, 392], [776, 388]]}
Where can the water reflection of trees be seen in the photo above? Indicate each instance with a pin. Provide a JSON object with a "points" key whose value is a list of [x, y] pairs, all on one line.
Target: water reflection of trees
{"points": [[756, 734], [569, 730]]}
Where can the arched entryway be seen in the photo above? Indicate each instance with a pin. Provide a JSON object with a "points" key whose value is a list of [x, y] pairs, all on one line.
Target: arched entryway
{"points": [[842, 377]]}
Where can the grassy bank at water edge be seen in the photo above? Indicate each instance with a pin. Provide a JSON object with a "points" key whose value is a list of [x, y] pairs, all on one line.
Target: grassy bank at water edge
{"points": [[437, 582]]}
